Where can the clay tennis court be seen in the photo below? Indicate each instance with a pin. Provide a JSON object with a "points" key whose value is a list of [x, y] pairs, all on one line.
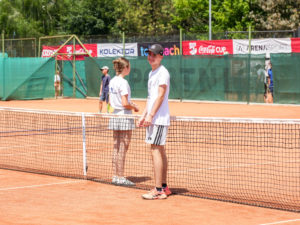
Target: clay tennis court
{"points": [[28, 198]]}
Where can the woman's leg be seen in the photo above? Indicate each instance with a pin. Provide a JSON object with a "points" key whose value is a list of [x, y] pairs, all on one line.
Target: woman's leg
{"points": [[125, 137], [116, 137]]}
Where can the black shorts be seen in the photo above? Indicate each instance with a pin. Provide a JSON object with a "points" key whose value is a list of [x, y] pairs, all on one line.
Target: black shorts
{"points": [[104, 97]]}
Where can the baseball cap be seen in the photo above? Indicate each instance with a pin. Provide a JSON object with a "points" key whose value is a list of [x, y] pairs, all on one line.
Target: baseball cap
{"points": [[104, 68], [156, 49]]}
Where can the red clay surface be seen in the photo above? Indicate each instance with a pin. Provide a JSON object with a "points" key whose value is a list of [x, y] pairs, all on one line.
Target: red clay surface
{"points": [[176, 108], [37, 199]]}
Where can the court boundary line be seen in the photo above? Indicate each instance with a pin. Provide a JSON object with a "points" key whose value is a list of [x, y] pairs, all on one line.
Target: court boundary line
{"points": [[213, 102], [280, 222], [40, 185]]}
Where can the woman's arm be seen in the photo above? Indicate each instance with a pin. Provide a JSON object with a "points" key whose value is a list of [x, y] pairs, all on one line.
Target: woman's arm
{"points": [[129, 105]]}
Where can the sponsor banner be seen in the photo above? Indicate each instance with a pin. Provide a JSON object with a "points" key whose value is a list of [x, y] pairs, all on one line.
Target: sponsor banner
{"points": [[116, 50], [295, 44], [170, 48], [262, 46], [48, 51], [216, 47]]}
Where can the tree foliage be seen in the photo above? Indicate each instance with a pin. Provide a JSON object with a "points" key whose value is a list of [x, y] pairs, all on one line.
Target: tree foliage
{"points": [[28, 18], [277, 14], [144, 16]]}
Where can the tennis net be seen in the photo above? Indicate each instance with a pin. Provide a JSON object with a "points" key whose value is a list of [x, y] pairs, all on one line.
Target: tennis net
{"points": [[249, 161]]}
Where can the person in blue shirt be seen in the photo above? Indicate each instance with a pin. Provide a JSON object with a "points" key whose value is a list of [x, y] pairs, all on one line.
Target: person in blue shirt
{"points": [[104, 88], [270, 83]]}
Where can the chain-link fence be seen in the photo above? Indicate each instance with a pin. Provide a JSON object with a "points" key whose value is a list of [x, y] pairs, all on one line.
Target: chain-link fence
{"points": [[31, 47], [21, 47]]}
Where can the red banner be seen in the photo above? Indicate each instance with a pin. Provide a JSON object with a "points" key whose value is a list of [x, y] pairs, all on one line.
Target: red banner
{"points": [[216, 47], [295, 44], [48, 51]]}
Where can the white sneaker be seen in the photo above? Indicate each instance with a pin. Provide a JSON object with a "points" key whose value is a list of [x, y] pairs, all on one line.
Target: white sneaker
{"points": [[125, 182], [115, 180]]}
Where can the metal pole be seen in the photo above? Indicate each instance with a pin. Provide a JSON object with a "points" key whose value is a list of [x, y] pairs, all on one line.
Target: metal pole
{"points": [[123, 37], [180, 41], [249, 39], [34, 47], [3, 87], [209, 19], [39, 48], [249, 65], [3, 43], [74, 69], [84, 146]]}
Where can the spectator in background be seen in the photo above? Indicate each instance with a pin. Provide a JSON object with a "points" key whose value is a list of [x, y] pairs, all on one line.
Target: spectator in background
{"points": [[261, 79], [57, 83], [104, 88], [270, 84]]}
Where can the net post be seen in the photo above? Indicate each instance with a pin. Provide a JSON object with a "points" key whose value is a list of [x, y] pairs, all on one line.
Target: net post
{"points": [[84, 146]]}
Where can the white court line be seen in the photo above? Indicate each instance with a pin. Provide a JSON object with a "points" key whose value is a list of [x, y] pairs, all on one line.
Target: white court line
{"points": [[40, 185], [280, 222]]}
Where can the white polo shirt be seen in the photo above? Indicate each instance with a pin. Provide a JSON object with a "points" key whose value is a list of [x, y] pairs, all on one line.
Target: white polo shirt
{"points": [[158, 77], [118, 87]]}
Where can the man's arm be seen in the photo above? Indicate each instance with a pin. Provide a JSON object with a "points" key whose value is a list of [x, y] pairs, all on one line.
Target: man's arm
{"points": [[100, 89]]}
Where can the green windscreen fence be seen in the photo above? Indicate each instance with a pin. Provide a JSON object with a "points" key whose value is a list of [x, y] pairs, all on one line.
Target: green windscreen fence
{"points": [[26, 78], [33, 78], [210, 78], [286, 70], [70, 73], [192, 77]]}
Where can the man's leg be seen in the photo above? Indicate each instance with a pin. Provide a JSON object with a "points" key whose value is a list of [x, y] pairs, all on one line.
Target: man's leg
{"points": [[160, 174], [107, 103], [165, 166], [160, 163], [100, 105], [158, 157]]}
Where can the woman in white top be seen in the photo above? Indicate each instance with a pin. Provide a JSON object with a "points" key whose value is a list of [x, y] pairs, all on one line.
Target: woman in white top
{"points": [[119, 98]]}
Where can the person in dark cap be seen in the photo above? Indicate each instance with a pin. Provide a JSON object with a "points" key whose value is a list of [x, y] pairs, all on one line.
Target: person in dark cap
{"points": [[104, 88], [156, 119], [157, 49]]}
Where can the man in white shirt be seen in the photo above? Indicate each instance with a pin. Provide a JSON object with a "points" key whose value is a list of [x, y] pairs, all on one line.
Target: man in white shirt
{"points": [[156, 119]]}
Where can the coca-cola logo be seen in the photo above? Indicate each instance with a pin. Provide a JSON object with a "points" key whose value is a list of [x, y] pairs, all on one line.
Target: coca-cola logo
{"points": [[207, 50], [47, 52]]}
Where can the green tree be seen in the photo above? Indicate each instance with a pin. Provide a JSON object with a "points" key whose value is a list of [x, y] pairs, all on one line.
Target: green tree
{"points": [[32, 17], [232, 15], [276, 14], [90, 17], [147, 17], [191, 15]]}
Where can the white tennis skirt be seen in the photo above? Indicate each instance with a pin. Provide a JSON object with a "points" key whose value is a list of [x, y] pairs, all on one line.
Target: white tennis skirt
{"points": [[121, 123]]}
